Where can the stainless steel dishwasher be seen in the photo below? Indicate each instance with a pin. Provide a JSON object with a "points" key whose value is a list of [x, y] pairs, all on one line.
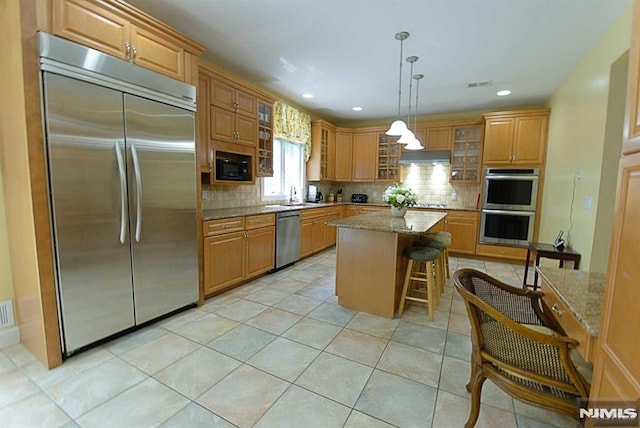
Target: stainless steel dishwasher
{"points": [[287, 238]]}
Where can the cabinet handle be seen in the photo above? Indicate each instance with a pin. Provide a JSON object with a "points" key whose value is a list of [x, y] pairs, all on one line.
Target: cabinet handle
{"points": [[210, 166], [127, 51], [226, 226], [134, 52], [557, 310]]}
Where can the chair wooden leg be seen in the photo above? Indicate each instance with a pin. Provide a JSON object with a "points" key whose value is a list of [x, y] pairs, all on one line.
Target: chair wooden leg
{"points": [[446, 262], [474, 373], [405, 287], [476, 391], [430, 290]]}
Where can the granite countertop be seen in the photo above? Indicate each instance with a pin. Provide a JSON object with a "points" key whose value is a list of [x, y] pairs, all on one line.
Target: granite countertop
{"points": [[414, 222], [582, 293], [220, 213]]}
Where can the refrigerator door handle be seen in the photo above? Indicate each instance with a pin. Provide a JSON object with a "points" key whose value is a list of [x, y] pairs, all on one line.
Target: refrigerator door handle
{"points": [[136, 169], [123, 191]]}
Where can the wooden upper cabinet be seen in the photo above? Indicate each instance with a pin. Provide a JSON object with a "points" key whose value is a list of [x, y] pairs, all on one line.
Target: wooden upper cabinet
{"points": [[365, 153], [120, 30], [89, 24], [516, 137], [437, 138], [204, 149], [152, 51], [322, 163], [631, 142], [226, 95], [343, 155]]}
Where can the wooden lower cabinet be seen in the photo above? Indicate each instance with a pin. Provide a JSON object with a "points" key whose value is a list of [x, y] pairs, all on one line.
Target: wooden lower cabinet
{"points": [[306, 237], [224, 261], [231, 257], [463, 226], [315, 235], [502, 252]]}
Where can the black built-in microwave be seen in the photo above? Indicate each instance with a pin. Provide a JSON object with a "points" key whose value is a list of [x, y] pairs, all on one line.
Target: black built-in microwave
{"points": [[233, 167]]}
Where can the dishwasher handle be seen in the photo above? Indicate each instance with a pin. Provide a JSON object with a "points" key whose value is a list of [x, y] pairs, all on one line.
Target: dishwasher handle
{"points": [[287, 215]]}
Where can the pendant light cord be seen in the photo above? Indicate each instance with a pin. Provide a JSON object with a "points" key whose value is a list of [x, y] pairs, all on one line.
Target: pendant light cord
{"points": [[400, 78]]}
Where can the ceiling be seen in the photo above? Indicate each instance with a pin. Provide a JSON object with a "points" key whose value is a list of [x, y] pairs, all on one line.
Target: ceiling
{"points": [[344, 51]]}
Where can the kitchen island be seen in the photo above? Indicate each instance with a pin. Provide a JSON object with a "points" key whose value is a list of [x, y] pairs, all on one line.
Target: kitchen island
{"points": [[370, 266]]}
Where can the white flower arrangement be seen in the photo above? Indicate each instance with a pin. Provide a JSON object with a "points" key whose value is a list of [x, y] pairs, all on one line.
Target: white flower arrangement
{"points": [[400, 196]]}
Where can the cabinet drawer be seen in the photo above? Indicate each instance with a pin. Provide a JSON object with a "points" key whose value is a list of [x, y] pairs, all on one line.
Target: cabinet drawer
{"points": [[257, 221], [515, 253], [225, 225], [571, 326], [312, 213], [471, 215]]}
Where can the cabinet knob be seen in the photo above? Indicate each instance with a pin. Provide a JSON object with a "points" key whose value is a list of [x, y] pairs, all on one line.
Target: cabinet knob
{"points": [[127, 51], [134, 53]]}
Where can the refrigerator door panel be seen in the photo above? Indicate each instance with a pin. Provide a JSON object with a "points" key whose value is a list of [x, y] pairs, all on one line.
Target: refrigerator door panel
{"points": [[85, 148], [162, 206]]}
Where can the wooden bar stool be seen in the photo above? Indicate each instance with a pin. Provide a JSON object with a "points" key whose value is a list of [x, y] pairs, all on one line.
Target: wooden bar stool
{"points": [[440, 241], [421, 258]]}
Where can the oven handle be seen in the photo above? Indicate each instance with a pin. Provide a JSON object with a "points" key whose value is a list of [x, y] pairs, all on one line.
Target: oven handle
{"points": [[520, 213], [512, 177]]}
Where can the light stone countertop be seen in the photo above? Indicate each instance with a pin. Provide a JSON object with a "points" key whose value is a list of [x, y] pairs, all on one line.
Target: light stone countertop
{"points": [[582, 293], [415, 221], [220, 213]]}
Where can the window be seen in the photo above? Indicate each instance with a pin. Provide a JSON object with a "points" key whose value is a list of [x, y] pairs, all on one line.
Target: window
{"points": [[288, 171]]}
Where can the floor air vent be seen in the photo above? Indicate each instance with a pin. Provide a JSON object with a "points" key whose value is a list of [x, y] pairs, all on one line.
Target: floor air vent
{"points": [[6, 314]]}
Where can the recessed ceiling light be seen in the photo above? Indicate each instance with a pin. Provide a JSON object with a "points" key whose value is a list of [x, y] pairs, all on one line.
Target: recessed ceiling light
{"points": [[307, 96], [503, 93], [356, 108]]}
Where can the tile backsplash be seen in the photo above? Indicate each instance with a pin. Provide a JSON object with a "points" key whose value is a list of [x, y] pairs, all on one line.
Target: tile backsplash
{"points": [[430, 182]]}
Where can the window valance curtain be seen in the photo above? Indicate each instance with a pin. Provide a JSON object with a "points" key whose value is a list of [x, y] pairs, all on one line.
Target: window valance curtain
{"points": [[293, 125]]}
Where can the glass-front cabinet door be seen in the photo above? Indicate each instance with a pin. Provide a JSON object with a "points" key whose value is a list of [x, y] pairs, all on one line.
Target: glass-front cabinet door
{"points": [[265, 139], [466, 153], [388, 157]]}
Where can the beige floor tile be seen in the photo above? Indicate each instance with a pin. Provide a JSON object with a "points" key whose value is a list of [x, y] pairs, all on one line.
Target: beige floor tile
{"points": [[181, 319], [356, 346], [6, 364], [525, 422], [268, 296], [159, 353], [418, 314], [333, 314], [313, 332], [197, 372], [241, 310], [243, 396], [458, 307], [243, 342], [15, 386], [205, 329], [460, 324], [218, 302], [135, 339], [284, 358], [316, 291], [300, 408], [74, 365], [274, 320], [452, 410], [298, 304], [542, 415], [35, 411], [427, 338], [336, 378], [373, 325], [397, 401], [304, 275], [360, 420], [147, 404], [81, 393], [195, 416], [288, 285], [19, 355], [458, 346], [411, 363]]}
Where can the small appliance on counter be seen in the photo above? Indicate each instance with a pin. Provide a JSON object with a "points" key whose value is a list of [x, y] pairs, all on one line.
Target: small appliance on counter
{"points": [[313, 194], [359, 198]]}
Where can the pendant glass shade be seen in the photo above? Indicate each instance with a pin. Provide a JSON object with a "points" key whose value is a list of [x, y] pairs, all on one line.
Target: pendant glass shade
{"points": [[406, 137], [414, 145], [397, 128]]}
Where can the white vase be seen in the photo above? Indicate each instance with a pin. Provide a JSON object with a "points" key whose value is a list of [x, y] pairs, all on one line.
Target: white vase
{"points": [[398, 212]]}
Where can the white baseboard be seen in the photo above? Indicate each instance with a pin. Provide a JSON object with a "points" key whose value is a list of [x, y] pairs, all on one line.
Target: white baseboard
{"points": [[9, 336]]}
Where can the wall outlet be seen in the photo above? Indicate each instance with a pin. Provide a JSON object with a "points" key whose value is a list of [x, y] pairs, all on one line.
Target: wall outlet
{"points": [[588, 202], [579, 173], [454, 196]]}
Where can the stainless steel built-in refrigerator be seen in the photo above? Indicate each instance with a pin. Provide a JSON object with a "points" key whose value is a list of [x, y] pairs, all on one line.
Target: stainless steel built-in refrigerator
{"points": [[121, 168]]}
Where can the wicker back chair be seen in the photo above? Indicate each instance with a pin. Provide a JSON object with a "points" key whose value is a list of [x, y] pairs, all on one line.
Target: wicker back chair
{"points": [[518, 346]]}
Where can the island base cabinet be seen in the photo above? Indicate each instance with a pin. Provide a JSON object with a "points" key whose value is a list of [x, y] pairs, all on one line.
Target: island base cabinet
{"points": [[224, 261], [463, 226]]}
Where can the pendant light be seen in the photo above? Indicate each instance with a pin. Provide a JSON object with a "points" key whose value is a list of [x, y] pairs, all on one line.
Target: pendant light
{"points": [[415, 143], [408, 137], [398, 127]]}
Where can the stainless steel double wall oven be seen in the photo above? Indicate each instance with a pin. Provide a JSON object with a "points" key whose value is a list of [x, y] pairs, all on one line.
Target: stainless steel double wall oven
{"points": [[508, 206]]}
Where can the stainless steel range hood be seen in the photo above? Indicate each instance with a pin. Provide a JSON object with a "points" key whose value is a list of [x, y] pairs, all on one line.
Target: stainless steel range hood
{"points": [[423, 157]]}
